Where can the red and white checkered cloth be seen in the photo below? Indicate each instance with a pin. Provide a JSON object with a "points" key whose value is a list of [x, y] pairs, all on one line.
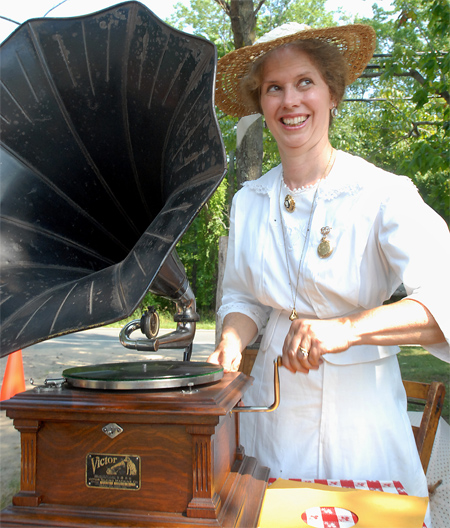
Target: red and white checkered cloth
{"points": [[329, 517], [390, 486]]}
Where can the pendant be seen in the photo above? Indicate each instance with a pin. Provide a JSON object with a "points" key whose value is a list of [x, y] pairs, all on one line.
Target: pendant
{"points": [[293, 315], [325, 248], [289, 203]]}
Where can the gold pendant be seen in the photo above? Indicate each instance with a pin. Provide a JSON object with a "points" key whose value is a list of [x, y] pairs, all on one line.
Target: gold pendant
{"points": [[324, 248], [293, 315], [289, 203]]}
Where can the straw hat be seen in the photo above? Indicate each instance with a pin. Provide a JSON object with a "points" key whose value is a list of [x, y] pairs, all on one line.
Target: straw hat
{"points": [[356, 42]]}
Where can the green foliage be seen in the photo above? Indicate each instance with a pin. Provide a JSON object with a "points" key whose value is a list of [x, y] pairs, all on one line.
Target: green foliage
{"points": [[198, 249], [404, 127], [277, 12], [207, 20], [416, 364]]}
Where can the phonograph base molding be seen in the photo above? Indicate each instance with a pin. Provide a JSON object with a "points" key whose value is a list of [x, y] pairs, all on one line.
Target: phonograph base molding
{"points": [[163, 458]]}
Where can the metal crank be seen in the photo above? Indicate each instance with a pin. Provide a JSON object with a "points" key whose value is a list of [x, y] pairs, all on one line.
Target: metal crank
{"points": [[276, 389]]}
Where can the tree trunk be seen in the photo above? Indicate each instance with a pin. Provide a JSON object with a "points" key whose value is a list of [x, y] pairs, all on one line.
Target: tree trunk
{"points": [[243, 22], [231, 175], [223, 248], [249, 151]]}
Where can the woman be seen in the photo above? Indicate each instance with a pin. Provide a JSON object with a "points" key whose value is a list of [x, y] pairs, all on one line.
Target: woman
{"points": [[316, 246]]}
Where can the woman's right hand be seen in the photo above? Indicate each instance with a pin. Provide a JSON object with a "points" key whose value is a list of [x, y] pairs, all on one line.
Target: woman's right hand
{"points": [[237, 332], [229, 359]]}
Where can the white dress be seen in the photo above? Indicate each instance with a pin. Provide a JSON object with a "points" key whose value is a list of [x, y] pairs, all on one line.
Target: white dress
{"points": [[348, 419]]}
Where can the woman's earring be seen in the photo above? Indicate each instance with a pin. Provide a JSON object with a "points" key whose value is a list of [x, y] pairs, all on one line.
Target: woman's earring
{"points": [[334, 112], [265, 124]]}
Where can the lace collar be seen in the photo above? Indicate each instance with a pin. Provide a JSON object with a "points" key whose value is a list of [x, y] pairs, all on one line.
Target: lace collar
{"points": [[344, 178]]}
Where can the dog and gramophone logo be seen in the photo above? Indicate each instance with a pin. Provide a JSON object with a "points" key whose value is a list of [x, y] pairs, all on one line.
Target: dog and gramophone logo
{"points": [[113, 471]]}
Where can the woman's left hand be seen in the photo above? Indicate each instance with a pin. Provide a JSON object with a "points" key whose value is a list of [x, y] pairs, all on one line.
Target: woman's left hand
{"points": [[309, 339], [405, 321]]}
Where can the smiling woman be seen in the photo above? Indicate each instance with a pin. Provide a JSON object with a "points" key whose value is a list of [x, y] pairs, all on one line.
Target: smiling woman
{"points": [[316, 246]]}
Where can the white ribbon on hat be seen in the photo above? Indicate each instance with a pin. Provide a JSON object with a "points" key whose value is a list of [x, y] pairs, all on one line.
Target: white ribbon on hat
{"points": [[283, 31], [243, 125]]}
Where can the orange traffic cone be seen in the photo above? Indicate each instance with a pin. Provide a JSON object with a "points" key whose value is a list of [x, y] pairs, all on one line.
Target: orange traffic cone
{"points": [[14, 378]]}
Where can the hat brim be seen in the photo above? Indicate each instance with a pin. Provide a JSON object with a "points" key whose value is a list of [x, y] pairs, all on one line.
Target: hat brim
{"points": [[356, 42]]}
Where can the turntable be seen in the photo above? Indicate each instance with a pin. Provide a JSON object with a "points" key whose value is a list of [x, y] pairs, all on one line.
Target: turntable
{"points": [[110, 147]]}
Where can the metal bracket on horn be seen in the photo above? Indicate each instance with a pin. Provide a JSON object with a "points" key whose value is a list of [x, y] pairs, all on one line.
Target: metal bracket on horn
{"points": [[276, 389], [149, 325], [186, 318]]}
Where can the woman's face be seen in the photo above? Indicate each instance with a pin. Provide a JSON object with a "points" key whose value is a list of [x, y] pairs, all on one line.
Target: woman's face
{"points": [[295, 100]]}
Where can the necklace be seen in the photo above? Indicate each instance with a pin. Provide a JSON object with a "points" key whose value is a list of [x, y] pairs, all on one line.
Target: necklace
{"points": [[294, 314]]}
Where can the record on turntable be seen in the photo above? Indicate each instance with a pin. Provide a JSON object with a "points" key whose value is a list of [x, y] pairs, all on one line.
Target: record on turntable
{"points": [[143, 375]]}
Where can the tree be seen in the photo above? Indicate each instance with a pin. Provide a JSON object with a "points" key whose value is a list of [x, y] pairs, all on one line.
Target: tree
{"points": [[424, 24], [397, 115]]}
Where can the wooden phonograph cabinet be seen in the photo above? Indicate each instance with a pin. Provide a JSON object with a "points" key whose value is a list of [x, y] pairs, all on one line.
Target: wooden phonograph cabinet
{"points": [[110, 147], [175, 462]]}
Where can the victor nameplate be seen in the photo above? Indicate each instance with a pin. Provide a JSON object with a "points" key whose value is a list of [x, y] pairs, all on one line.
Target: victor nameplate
{"points": [[113, 471]]}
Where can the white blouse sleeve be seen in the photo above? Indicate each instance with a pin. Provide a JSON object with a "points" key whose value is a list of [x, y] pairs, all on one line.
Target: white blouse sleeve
{"points": [[416, 243], [237, 296]]}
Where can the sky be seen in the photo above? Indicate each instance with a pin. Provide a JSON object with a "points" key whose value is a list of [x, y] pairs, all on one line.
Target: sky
{"points": [[22, 10]]}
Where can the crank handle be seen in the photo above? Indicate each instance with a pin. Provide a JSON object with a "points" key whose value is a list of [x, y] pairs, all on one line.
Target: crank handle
{"points": [[276, 389]]}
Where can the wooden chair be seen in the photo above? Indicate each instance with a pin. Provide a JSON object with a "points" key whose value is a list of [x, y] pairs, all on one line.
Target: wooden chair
{"points": [[430, 396]]}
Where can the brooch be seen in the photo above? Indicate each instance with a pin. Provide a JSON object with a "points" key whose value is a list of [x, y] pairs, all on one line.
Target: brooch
{"points": [[289, 203], [324, 249]]}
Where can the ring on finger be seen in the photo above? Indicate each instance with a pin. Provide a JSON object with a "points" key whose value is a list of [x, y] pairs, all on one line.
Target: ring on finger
{"points": [[303, 351]]}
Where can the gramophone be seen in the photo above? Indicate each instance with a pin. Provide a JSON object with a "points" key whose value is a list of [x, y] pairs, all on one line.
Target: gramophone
{"points": [[109, 148]]}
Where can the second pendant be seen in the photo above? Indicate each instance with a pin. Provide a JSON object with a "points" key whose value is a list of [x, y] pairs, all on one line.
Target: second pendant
{"points": [[289, 203]]}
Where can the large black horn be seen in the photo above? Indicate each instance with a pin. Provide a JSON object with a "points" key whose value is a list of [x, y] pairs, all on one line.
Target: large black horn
{"points": [[109, 148]]}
